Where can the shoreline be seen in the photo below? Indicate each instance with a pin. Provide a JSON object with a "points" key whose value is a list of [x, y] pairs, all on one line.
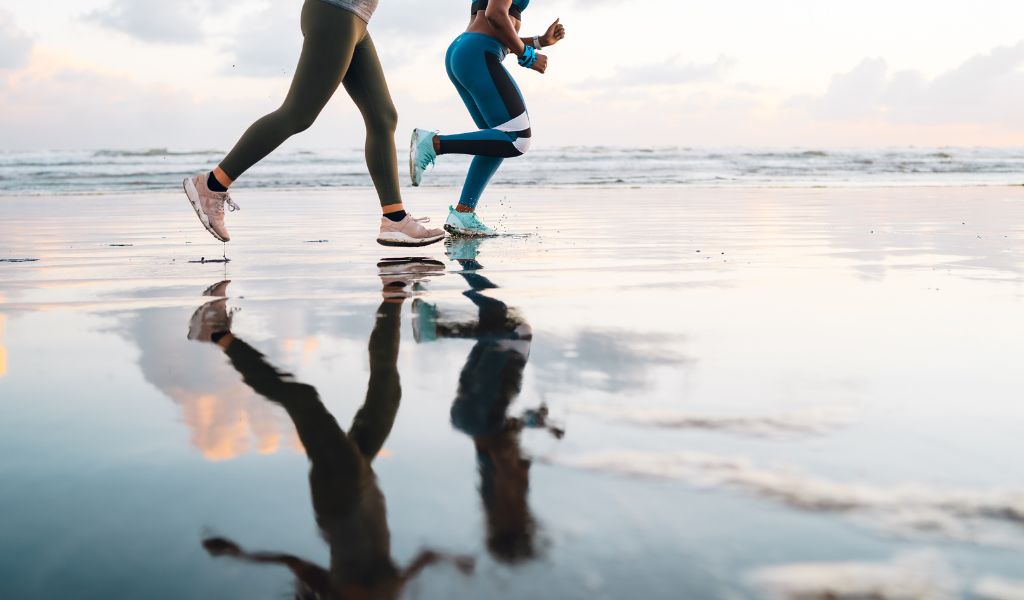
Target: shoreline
{"points": [[539, 188]]}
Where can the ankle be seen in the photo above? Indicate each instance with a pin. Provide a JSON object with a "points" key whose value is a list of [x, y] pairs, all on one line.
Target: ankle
{"points": [[215, 184], [462, 208], [396, 215], [222, 339], [437, 143]]}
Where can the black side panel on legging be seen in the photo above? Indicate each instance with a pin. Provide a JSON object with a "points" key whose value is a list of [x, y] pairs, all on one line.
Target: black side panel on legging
{"points": [[480, 148], [506, 87]]}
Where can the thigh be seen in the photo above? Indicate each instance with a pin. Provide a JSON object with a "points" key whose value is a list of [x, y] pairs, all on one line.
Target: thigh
{"points": [[330, 35], [467, 98], [365, 81], [491, 87], [474, 110]]}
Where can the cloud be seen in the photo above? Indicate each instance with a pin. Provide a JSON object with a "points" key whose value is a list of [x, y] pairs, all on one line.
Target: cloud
{"points": [[606, 360], [986, 89], [268, 43], [812, 420], [982, 516], [667, 73], [113, 112], [410, 18], [15, 44], [997, 588], [177, 22], [596, 3]]}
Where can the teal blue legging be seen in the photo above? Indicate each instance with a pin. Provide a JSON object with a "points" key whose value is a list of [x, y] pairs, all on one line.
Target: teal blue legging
{"points": [[496, 105]]}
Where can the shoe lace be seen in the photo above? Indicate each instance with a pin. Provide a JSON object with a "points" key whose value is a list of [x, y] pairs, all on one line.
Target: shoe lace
{"points": [[421, 219], [425, 161], [225, 198], [427, 158]]}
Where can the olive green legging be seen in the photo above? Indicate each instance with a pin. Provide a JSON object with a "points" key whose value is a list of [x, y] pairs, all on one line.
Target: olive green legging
{"points": [[336, 50]]}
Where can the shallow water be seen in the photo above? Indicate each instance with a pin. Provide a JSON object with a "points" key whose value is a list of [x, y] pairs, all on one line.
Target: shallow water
{"points": [[786, 393]]}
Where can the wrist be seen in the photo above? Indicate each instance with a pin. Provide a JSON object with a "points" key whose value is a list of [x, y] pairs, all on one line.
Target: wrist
{"points": [[528, 57], [522, 49]]}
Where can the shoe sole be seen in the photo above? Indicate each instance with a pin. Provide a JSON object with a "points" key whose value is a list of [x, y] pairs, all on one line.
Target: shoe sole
{"points": [[465, 233], [412, 154], [193, 198], [404, 241]]}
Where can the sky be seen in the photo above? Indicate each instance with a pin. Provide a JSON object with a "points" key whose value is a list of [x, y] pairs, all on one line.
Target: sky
{"points": [[193, 74]]}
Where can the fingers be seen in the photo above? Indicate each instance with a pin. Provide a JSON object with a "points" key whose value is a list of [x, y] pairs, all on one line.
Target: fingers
{"points": [[557, 29]]}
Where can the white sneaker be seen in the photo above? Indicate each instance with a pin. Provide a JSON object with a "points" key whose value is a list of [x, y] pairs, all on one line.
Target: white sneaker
{"points": [[407, 232], [209, 205]]}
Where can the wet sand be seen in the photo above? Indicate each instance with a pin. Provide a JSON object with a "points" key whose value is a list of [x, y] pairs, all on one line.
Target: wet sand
{"points": [[764, 393]]}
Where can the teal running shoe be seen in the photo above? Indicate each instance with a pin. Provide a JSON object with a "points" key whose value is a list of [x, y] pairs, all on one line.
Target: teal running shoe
{"points": [[466, 225], [424, 323], [461, 248], [421, 154]]}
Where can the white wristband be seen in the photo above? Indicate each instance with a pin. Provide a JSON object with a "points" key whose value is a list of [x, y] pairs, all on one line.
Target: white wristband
{"points": [[536, 42]]}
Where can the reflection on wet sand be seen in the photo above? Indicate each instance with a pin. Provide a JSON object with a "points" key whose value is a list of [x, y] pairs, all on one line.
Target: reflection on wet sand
{"points": [[920, 576], [347, 502], [3, 349], [993, 516], [225, 421], [489, 383]]}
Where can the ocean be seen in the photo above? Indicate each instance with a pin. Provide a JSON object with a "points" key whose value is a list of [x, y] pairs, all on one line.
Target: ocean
{"points": [[126, 171]]}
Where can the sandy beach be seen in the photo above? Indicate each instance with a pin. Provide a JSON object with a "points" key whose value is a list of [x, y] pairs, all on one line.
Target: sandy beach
{"points": [[784, 393]]}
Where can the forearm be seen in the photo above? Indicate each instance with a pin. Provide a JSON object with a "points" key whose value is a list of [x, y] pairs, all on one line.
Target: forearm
{"points": [[536, 41], [505, 30]]}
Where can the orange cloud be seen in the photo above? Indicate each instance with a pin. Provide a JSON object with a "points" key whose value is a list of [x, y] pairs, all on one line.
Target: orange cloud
{"points": [[232, 422]]}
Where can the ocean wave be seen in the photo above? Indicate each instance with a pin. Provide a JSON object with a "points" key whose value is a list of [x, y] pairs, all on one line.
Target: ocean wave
{"points": [[993, 517], [152, 152], [788, 155], [83, 172]]}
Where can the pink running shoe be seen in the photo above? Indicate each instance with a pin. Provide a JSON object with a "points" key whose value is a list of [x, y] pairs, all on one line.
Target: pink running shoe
{"points": [[408, 232], [213, 316], [209, 205]]}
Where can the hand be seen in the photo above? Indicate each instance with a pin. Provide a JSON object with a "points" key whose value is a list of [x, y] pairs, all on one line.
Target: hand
{"points": [[218, 546], [541, 64], [465, 564], [553, 35]]}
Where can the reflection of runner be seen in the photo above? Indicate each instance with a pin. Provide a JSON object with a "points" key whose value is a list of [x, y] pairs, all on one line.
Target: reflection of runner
{"points": [[347, 501], [337, 50], [490, 382], [494, 102]]}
